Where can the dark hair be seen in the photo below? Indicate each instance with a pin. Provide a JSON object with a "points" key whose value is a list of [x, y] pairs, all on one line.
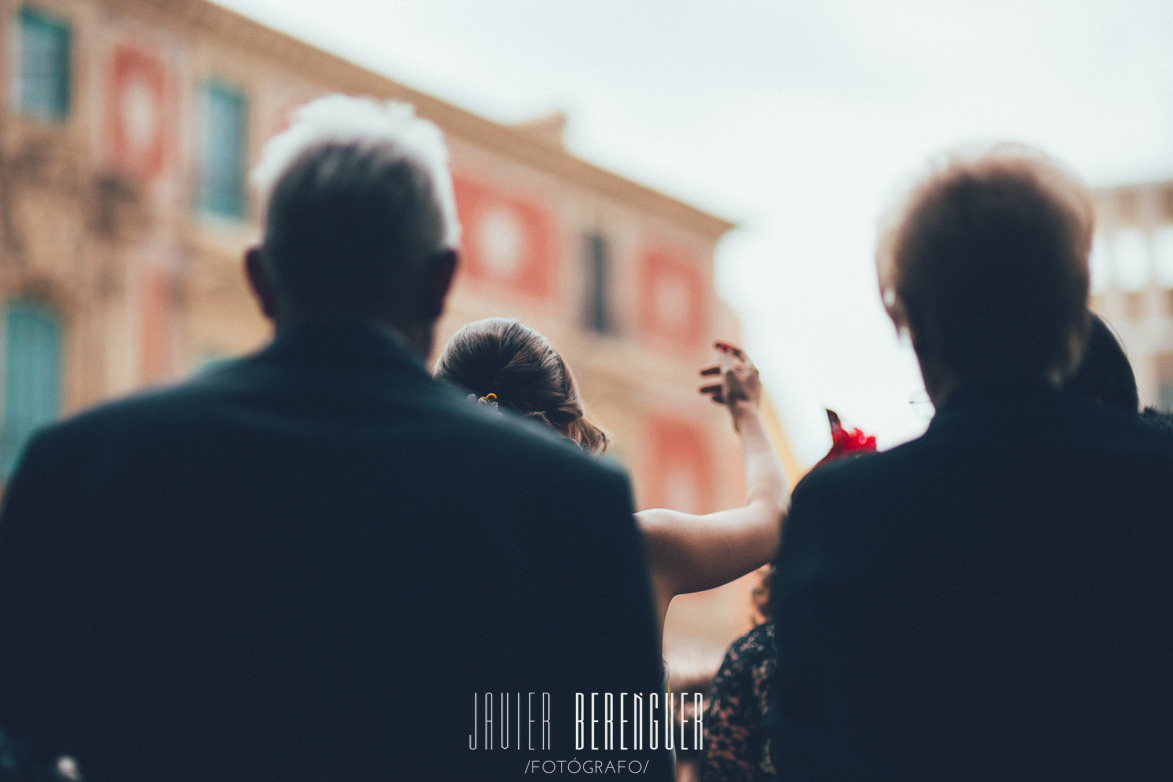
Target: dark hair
{"points": [[986, 263], [759, 596], [503, 357], [349, 225], [1104, 372]]}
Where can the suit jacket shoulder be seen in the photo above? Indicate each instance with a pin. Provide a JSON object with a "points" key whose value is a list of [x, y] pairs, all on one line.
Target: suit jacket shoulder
{"points": [[329, 554]]}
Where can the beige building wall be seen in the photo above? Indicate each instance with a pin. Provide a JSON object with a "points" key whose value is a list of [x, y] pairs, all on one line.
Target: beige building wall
{"points": [[1132, 280], [105, 229]]}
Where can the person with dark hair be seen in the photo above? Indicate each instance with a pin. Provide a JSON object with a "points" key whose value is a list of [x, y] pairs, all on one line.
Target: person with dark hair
{"points": [[521, 371], [316, 563], [1104, 372], [686, 552], [993, 600]]}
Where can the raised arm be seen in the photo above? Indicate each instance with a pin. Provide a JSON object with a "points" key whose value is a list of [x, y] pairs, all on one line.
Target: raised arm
{"points": [[690, 553]]}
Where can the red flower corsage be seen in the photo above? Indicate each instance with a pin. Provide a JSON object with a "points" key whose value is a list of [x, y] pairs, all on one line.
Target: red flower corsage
{"points": [[846, 443]]}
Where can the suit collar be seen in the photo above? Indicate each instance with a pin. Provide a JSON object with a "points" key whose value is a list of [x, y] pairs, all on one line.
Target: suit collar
{"points": [[999, 401], [340, 343], [1001, 392]]}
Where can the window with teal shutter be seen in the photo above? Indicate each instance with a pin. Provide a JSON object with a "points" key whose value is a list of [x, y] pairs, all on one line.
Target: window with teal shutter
{"points": [[43, 79], [32, 375], [222, 159]]}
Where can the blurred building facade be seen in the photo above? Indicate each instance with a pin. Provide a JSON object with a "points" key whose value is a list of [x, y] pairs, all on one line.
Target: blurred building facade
{"points": [[1132, 280], [126, 136]]}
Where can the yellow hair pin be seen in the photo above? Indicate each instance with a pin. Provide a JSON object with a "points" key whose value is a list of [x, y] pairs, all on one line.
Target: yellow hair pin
{"points": [[488, 400]]}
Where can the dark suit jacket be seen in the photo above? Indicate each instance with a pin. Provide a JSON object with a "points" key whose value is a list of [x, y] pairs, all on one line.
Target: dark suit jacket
{"points": [[991, 601], [303, 565]]}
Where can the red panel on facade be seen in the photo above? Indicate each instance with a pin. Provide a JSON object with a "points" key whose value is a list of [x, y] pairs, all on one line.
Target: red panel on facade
{"points": [[673, 299], [508, 241], [680, 475], [137, 112]]}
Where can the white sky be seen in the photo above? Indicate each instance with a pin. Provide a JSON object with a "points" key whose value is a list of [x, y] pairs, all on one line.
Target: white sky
{"points": [[797, 118]]}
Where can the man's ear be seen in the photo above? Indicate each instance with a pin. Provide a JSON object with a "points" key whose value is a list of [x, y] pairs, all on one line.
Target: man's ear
{"points": [[435, 284], [260, 282]]}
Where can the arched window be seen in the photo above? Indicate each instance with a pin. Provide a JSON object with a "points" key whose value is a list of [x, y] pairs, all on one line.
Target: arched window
{"points": [[32, 375]]}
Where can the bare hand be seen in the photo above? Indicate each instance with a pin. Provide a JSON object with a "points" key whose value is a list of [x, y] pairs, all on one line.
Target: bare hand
{"points": [[740, 389]]}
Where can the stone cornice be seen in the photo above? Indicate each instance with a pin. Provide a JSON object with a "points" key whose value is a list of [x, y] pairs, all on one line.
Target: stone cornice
{"points": [[316, 65]]}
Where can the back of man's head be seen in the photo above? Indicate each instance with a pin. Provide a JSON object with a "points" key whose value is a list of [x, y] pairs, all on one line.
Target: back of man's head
{"points": [[358, 200], [985, 264]]}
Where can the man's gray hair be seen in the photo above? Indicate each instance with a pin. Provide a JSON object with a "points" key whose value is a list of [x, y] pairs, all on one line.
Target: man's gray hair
{"points": [[357, 197]]}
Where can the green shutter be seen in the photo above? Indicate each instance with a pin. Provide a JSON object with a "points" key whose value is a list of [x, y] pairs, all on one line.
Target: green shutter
{"points": [[222, 160], [32, 375], [44, 85]]}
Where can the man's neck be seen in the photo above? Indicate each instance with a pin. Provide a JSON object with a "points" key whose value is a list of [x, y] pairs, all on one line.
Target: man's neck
{"points": [[416, 340]]}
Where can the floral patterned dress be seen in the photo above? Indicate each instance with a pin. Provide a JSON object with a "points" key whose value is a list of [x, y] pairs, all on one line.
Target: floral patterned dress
{"points": [[736, 745]]}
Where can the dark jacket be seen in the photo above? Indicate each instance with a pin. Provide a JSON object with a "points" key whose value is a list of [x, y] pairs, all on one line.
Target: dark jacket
{"points": [[305, 565], [993, 600]]}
